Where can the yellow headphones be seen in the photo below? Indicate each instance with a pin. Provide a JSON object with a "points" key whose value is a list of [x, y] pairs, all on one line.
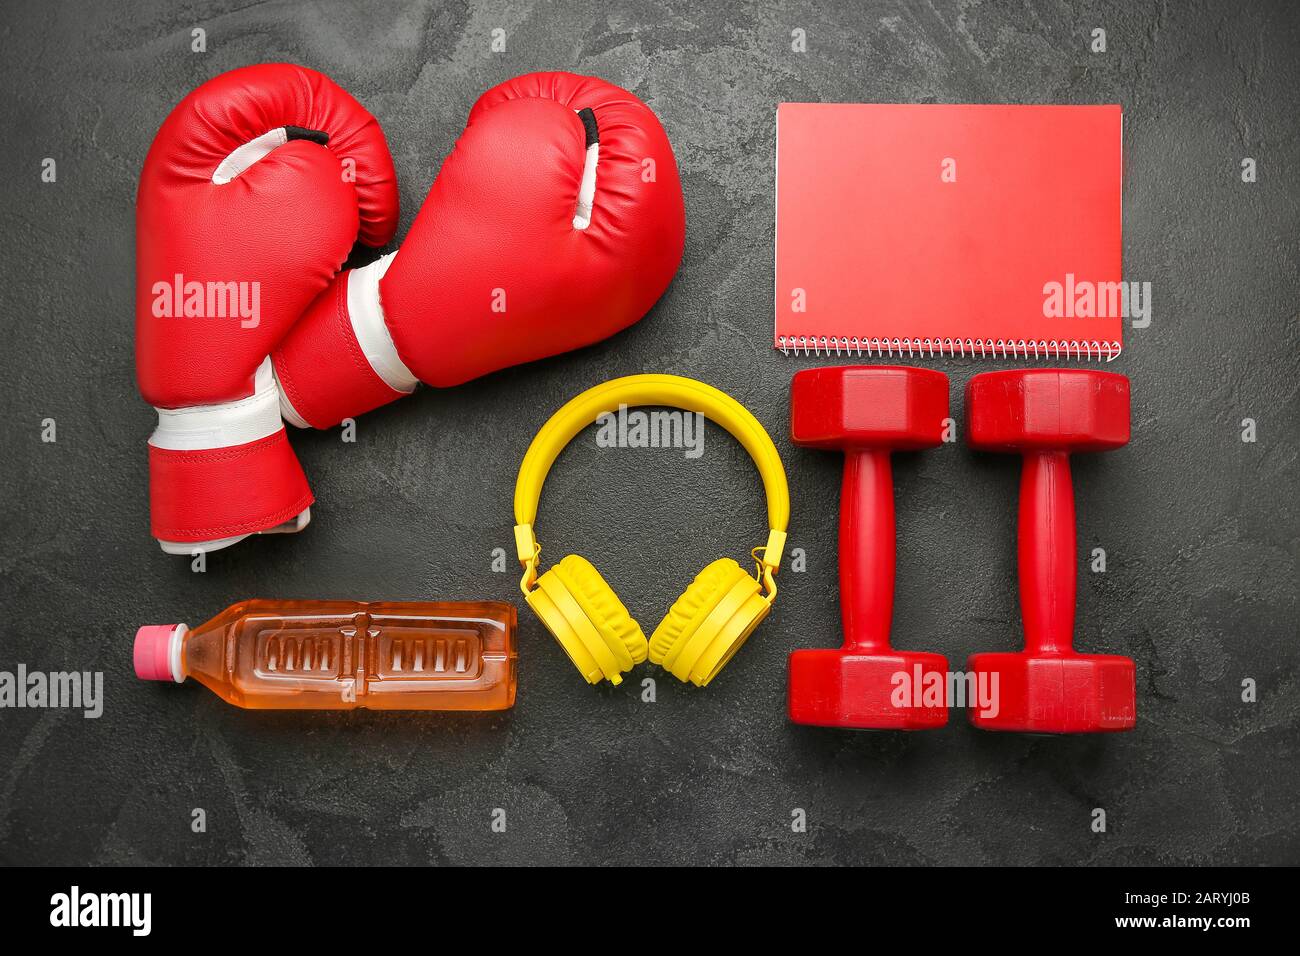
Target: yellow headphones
{"points": [[723, 605]]}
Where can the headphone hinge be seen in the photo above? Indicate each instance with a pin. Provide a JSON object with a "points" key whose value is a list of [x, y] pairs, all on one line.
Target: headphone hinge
{"points": [[528, 550]]}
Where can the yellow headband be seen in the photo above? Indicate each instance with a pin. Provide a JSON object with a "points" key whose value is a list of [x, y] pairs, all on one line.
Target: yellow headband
{"points": [[670, 390]]}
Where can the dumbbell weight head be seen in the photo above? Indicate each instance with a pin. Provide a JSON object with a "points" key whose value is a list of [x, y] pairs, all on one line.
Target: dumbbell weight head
{"points": [[1046, 414], [1064, 693], [1047, 410], [894, 690], [889, 407], [867, 412]]}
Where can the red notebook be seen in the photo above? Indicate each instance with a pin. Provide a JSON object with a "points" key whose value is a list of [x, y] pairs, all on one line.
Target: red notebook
{"points": [[928, 230]]}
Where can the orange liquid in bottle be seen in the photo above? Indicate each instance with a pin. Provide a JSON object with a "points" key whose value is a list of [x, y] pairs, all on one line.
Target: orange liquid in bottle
{"points": [[342, 655]]}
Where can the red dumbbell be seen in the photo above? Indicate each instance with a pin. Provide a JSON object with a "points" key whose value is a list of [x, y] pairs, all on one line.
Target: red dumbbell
{"points": [[1044, 415], [867, 412]]}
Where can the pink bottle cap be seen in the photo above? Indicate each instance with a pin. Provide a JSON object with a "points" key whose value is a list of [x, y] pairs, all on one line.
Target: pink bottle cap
{"points": [[153, 651]]}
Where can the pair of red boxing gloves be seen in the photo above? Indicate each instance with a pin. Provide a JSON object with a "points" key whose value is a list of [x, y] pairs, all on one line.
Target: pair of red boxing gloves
{"points": [[556, 221]]}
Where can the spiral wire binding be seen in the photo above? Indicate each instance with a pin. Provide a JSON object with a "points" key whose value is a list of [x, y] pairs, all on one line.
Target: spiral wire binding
{"points": [[962, 348]]}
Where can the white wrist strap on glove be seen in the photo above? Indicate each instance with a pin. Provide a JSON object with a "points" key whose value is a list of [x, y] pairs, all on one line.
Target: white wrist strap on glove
{"points": [[366, 313], [204, 427]]}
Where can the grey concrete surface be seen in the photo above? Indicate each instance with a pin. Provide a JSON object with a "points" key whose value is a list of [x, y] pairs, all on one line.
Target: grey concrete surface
{"points": [[1200, 527]]}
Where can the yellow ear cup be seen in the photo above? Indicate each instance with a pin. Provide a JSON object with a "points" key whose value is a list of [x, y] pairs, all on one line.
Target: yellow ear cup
{"points": [[708, 623], [587, 618]]}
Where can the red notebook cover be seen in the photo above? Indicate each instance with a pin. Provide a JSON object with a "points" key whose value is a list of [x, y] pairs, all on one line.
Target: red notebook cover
{"points": [[928, 230]]}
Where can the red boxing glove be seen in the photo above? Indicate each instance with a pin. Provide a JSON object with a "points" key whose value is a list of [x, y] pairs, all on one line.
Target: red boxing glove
{"points": [[253, 192], [556, 221]]}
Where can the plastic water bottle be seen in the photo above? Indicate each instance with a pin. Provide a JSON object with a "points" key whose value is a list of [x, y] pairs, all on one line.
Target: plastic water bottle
{"points": [[341, 655]]}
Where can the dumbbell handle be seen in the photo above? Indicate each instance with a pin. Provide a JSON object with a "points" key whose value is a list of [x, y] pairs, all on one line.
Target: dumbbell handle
{"points": [[1047, 557], [867, 550]]}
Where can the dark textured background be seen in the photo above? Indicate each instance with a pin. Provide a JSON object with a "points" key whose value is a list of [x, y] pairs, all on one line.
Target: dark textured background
{"points": [[1201, 529]]}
